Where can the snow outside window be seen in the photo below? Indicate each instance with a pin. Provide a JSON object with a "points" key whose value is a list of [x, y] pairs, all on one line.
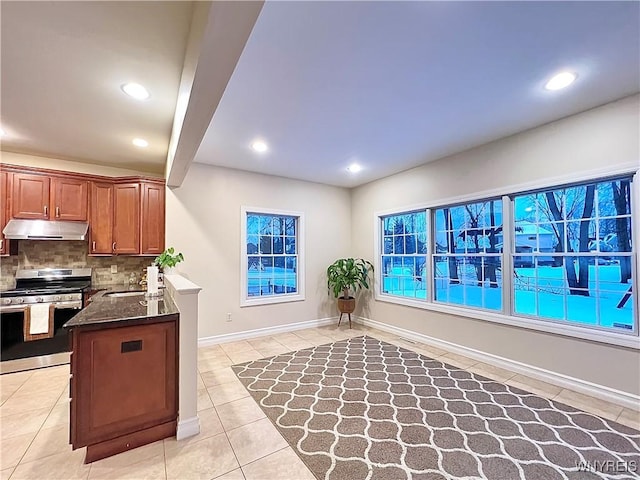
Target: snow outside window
{"points": [[572, 255], [403, 259], [272, 260], [467, 263]]}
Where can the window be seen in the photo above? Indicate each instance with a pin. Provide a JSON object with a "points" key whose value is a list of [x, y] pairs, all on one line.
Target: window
{"points": [[272, 267], [467, 264], [572, 255], [559, 259], [403, 259]]}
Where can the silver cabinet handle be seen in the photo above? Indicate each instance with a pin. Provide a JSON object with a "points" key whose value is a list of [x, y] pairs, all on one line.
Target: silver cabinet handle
{"points": [[114, 246], [2, 244], [93, 246], [58, 212], [46, 210]]}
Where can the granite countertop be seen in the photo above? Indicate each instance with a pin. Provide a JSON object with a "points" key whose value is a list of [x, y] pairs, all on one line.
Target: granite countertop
{"points": [[107, 309]]}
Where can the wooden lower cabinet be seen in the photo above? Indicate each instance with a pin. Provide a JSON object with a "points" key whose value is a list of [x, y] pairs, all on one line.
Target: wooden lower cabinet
{"points": [[124, 386]]}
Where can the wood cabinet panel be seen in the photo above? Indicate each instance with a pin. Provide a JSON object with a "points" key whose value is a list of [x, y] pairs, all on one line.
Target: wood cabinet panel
{"points": [[101, 218], [69, 198], [152, 223], [4, 214], [129, 381], [30, 197], [126, 218], [126, 215]]}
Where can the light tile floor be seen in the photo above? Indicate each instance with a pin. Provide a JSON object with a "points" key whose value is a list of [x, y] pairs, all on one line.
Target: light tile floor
{"points": [[236, 442]]}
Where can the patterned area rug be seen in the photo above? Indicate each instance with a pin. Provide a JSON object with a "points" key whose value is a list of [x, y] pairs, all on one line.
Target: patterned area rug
{"points": [[365, 409]]}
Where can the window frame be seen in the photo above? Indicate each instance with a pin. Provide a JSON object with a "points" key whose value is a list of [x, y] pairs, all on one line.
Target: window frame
{"points": [[630, 339], [425, 256], [479, 255], [245, 299], [635, 331]]}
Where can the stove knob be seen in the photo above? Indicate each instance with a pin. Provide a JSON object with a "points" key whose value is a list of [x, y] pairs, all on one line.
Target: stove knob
{"points": [[39, 299], [69, 297], [6, 301], [20, 300], [57, 298]]}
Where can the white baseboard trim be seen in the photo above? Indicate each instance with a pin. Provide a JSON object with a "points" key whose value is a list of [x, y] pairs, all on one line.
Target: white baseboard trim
{"points": [[188, 428], [260, 332], [625, 399]]}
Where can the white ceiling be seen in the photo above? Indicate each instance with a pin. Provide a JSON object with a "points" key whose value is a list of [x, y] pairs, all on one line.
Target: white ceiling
{"points": [[62, 65], [393, 85], [390, 85]]}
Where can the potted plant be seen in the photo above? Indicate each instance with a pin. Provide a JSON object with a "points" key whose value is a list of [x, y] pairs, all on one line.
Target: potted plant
{"points": [[167, 260], [347, 275]]}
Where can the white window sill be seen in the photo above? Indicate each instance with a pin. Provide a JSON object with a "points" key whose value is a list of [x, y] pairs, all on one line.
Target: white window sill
{"points": [[629, 340], [256, 301]]}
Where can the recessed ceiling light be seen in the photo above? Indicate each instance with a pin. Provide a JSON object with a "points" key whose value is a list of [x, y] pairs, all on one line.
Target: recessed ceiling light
{"points": [[135, 90], [259, 146], [561, 80], [140, 142], [354, 168]]}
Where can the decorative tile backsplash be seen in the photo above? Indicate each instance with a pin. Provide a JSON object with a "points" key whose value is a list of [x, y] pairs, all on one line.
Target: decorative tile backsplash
{"points": [[66, 253]]}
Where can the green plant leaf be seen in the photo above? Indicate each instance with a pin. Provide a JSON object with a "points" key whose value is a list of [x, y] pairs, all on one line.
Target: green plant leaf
{"points": [[348, 274], [168, 259]]}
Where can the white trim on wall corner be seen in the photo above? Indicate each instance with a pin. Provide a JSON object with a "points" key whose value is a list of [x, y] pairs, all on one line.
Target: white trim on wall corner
{"points": [[188, 428], [625, 399], [260, 332]]}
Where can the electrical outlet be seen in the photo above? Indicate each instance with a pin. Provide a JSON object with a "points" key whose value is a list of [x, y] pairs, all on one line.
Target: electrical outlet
{"points": [[114, 268], [228, 317]]}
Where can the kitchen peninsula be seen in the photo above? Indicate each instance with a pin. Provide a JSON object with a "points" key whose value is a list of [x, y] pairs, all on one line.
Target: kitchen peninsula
{"points": [[124, 372]]}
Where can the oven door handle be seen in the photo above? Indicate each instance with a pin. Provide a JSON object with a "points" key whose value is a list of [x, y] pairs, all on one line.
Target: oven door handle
{"points": [[75, 304]]}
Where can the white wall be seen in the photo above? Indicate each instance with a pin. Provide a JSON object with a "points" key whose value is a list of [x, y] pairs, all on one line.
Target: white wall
{"points": [[203, 222], [599, 139]]}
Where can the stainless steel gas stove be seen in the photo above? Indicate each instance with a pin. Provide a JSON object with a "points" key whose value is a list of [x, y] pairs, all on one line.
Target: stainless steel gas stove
{"points": [[61, 287], [32, 316]]}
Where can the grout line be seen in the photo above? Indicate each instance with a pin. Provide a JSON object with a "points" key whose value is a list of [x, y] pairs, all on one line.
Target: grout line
{"points": [[89, 469], [13, 469], [164, 456], [558, 394], [232, 451], [265, 456], [250, 423]]}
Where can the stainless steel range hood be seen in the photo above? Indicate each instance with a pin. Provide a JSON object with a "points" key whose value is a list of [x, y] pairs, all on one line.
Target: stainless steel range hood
{"points": [[45, 230]]}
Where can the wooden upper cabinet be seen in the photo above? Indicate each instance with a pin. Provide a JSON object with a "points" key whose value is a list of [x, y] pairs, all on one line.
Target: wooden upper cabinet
{"points": [[126, 215], [4, 217], [68, 199], [152, 223], [126, 218], [30, 197], [101, 218]]}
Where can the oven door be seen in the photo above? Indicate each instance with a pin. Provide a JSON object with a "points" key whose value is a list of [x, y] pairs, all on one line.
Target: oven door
{"points": [[16, 342]]}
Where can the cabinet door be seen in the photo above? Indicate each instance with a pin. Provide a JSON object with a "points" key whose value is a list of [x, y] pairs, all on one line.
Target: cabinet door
{"points": [[126, 218], [101, 219], [127, 380], [69, 199], [30, 196], [4, 183], [152, 237]]}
